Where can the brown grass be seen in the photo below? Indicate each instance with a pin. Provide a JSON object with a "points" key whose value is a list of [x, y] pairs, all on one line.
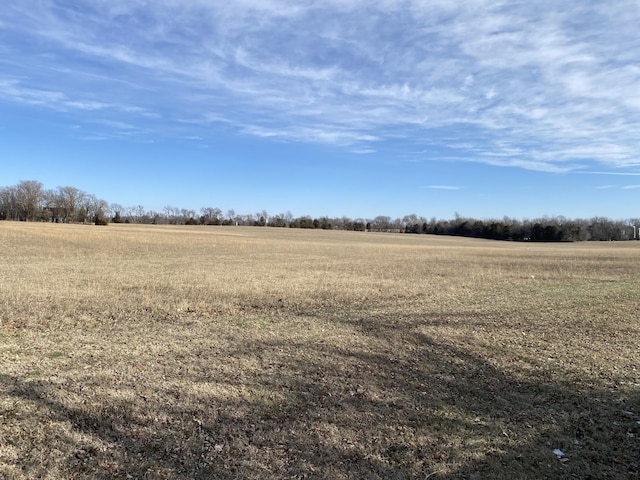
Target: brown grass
{"points": [[186, 352]]}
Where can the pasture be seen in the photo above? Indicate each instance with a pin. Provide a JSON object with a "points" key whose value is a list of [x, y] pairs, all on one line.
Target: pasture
{"points": [[150, 352]]}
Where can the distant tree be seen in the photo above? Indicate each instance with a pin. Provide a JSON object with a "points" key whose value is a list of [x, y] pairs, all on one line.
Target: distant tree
{"points": [[211, 216], [381, 224], [9, 204], [580, 230], [359, 226], [247, 219], [412, 223], [277, 220], [551, 233], [231, 217], [100, 217], [461, 228], [92, 207], [600, 229], [343, 223], [325, 223], [261, 219], [302, 222], [69, 200], [187, 217], [396, 225], [30, 198], [409, 219], [288, 217], [476, 229], [138, 214], [171, 214], [117, 211]]}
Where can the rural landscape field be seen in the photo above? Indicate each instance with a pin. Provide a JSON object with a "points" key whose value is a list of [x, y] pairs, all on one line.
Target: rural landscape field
{"points": [[165, 352]]}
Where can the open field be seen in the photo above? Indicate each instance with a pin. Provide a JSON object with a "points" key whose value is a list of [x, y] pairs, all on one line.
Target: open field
{"points": [[219, 352]]}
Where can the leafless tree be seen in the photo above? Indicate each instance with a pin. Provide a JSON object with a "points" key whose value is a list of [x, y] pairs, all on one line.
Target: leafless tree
{"points": [[30, 198], [69, 199], [137, 213], [187, 214], [211, 216], [9, 205]]}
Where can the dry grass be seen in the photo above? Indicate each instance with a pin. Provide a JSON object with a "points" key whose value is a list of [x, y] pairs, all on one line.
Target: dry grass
{"points": [[172, 352]]}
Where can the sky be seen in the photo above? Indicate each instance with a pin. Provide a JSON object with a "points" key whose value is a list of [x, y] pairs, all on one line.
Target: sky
{"points": [[481, 108]]}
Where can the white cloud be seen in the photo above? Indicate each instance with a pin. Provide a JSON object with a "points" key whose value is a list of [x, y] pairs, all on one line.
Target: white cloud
{"points": [[630, 174], [441, 187], [549, 86], [86, 105], [468, 82], [363, 151], [489, 94]]}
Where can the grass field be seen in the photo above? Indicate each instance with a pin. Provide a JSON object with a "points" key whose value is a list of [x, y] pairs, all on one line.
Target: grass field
{"points": [[220, 352]]}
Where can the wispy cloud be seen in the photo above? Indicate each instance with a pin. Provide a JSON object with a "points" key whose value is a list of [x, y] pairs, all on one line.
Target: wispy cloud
{"points": [[623, 174], [441, 187], [363, 151], [548, 86]]}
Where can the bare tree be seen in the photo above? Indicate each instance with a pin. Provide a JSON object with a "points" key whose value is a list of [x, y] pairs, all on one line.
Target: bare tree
{"points": [[247, 219], [261, 218], [30, 198], [187, 214], [69, 200], [231, 216], [137, 213], [9, 205], [211, 216], [93, 209], [288, 217], [117, 211], [381, 223], [171, 213], [278, 220]]}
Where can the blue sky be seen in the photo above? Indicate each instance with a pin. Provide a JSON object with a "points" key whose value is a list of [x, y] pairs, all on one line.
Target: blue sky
{"points": [[356, 108]]}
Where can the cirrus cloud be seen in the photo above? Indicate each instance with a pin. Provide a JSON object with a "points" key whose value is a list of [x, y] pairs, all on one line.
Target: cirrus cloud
{"points": [[548, 86]]}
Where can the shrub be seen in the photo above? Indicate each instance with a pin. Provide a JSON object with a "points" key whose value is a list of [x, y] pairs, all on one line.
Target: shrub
{"points": [[101, 220]]}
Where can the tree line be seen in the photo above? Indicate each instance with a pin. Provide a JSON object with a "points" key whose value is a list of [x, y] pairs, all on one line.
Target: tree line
{"points": [[30, 201]]}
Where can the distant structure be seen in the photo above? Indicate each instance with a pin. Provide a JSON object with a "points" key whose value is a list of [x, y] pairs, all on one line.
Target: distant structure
{"points": [[56, 214]]}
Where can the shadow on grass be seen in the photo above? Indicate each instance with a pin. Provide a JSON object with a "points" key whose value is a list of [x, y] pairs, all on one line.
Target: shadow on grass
{"points": [[411, 408]]}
